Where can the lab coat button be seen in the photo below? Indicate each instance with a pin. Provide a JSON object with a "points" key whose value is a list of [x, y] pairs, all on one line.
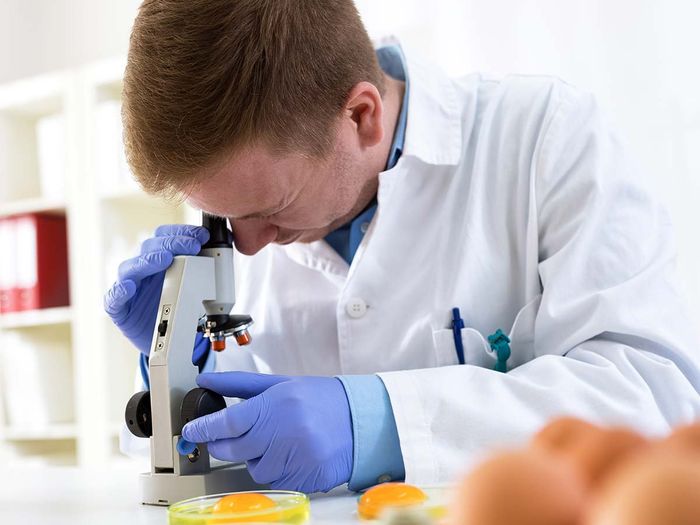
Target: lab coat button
{"points": [[364, 227], [356, 308]]}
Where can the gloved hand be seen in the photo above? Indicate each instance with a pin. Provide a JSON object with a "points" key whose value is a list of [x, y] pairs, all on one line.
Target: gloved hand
{"points": [[294, 433], [132, 302], [201, 350]]}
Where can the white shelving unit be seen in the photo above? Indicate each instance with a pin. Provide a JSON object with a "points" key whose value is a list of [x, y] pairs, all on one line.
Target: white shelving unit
{"points": [[44, 317], [108, 217], [33, 205], [56, 431]]}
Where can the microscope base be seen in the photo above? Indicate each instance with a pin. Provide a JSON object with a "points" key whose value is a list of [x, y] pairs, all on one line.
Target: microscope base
{"points": [[166, 488]]}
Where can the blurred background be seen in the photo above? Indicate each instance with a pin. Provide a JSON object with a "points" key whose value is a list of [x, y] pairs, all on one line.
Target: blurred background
{"points": [[65, 372]]}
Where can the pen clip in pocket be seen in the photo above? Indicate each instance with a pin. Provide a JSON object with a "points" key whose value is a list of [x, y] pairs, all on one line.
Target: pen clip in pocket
{"points": [[476, 349]]}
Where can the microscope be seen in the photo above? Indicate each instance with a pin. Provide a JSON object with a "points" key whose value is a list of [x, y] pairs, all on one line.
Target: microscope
{"points": [[198, 296]]}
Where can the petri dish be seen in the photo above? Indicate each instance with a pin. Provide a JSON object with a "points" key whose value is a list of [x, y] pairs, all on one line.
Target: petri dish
{"points": [[287, 507], [382, 499]]}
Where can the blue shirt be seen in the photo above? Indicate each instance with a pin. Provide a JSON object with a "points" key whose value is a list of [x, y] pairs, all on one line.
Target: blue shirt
{"points": [[376, 448]]}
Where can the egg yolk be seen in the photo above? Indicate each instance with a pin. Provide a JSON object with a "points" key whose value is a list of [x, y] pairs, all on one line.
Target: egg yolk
{"points": [[244, 503], [373, 502]]}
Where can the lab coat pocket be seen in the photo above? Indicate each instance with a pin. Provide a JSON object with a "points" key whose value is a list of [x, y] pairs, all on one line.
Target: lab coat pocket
{"points": [[522, 334], [476, 349]]}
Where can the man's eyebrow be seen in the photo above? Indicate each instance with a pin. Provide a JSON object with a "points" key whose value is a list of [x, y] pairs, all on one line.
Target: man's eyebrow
{"points": [[264, 213]]}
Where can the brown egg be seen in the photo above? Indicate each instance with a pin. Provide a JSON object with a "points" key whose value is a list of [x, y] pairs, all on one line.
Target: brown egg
{"points": [[686, 437], [520, 487], [598, 456], [593, 451], [658, 488], [563, 433]]}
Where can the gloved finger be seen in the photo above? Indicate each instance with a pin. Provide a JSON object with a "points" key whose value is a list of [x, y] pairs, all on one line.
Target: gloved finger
{"points": [[144, 266], [287, 483], [266, 469], [279, 484], [202, 346], [255, 443], [198, 233], [231, 422], [176, 244], [232, 450], [239, 384], [118, 295], [300, 482], [225, 450]]}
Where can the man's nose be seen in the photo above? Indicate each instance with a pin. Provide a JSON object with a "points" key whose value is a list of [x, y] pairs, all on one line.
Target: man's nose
{"points": [[252, 235]]}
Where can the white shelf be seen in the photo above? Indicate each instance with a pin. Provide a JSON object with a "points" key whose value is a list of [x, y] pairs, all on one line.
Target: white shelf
{"points": [[56, 431], [33, 97], [32, 318], [37, 205], [109, 218]]}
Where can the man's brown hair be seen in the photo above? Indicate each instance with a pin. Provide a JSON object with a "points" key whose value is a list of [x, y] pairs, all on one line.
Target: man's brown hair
{"points": [[205, 77]]}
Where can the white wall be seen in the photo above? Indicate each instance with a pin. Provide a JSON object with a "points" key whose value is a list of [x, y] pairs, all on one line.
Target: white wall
{"points": [[638, 56], [45, 35]]}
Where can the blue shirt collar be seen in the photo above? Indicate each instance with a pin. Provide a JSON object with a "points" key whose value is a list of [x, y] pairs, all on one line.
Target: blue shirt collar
{"points": [[393, 62]]}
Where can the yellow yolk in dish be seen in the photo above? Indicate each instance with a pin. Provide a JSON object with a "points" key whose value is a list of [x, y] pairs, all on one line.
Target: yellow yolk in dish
{"points": [[244, 503], [377, 499]]}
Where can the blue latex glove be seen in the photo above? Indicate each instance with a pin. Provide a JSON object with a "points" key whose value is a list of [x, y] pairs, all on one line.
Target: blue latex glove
{"points": [[132, 302], [201, 350], [294, 433]]}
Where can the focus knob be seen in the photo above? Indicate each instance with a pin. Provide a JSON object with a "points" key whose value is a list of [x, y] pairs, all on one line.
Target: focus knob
{"points": [[138, 415], [200, 402]]}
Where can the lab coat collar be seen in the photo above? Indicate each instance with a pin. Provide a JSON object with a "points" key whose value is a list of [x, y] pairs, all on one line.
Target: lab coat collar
{"points": [[317, 255], [434, 126]]}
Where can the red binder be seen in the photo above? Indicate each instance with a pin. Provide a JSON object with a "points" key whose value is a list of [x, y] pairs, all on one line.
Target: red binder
{"points": [[8, 266], [42, 261]]}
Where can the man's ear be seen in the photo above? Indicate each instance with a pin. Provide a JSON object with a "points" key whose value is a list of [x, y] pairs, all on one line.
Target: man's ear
{"points": [[365, 110]]}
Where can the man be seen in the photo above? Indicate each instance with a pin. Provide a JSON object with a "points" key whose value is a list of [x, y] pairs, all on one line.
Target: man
{"points": [[406, 239]]}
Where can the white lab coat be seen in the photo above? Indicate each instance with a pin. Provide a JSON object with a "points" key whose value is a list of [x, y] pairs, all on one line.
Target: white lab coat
{"points": [[514, 202]]}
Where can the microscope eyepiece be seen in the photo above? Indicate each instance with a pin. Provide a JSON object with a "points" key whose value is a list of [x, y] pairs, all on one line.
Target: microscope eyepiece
{"points": [[218, 232]]}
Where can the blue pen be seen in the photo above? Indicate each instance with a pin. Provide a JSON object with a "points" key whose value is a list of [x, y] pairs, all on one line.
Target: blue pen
{"points": [[457, 325]]}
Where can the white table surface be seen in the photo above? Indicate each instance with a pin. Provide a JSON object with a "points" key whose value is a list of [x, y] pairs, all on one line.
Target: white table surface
{"points": [[66, 495]]}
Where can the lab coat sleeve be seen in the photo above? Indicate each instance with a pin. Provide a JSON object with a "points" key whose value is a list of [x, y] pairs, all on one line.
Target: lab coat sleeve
{"points": [[612, 340]]}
